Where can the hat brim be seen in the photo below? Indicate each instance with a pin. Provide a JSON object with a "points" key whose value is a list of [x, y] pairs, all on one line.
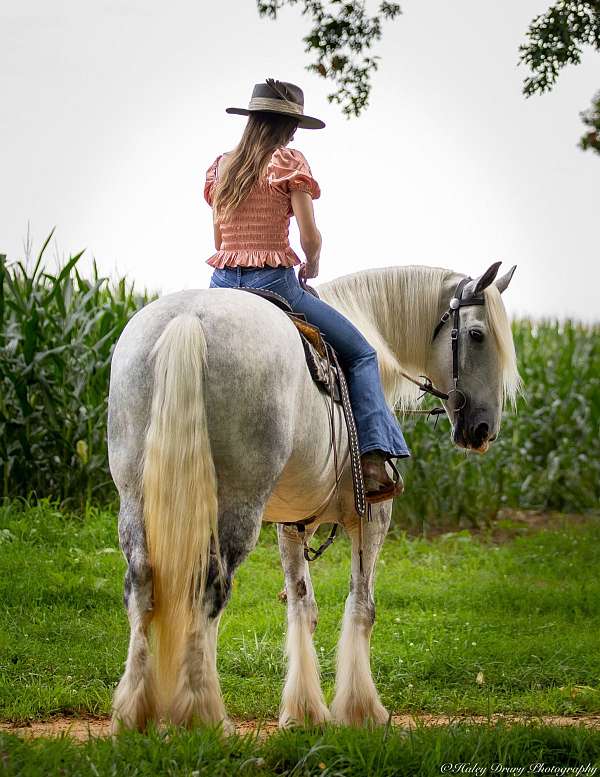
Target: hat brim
{"points": [[304, 122]]}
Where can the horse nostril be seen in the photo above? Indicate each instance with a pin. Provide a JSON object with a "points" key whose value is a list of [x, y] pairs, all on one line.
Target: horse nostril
{"points": [[481, 432]]}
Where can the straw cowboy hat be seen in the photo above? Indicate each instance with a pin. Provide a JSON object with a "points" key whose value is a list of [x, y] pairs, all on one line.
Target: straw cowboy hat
{"points": [[279, 97]]}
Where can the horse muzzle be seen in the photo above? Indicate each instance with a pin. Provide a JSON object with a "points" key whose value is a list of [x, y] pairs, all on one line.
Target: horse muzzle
{"points": [[473, 433]]}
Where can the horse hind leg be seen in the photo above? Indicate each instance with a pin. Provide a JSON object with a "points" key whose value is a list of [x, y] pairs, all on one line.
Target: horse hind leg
{"points": [[134, 701], [302, 698], [198, 698]]}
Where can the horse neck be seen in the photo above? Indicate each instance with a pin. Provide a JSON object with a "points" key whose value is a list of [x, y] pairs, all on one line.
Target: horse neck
{"points": [[396, 308]]}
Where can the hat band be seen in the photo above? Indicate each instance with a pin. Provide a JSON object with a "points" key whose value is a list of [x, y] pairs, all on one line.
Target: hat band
{"points": [[272, 104]]}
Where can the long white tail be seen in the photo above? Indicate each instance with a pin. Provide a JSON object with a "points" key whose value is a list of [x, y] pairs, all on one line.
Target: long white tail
{"points": [[180, 492]]}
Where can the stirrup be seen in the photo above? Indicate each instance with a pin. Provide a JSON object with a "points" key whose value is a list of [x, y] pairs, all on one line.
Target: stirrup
{"points": [[384, 495]]}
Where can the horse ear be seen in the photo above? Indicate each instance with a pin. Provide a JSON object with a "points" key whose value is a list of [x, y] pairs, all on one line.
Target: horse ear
{"points": [[476, 286], [502, 283]]}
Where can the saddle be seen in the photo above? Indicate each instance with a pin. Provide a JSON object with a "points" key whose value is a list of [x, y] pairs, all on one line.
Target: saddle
{"points": [[324, 368]]}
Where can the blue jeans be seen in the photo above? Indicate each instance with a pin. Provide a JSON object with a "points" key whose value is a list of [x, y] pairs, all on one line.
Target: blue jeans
{"points": [[376, 425]]}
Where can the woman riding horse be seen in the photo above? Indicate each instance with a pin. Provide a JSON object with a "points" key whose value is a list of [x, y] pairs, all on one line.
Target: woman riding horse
{"points": [[254, 190], [196, 481]]}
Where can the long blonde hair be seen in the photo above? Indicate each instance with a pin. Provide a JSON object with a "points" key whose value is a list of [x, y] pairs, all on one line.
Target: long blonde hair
{"points": [[264, 132]]}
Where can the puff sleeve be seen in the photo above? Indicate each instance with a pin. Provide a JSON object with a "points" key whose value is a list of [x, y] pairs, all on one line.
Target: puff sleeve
{"points": [[211, 177], [289, 171]]}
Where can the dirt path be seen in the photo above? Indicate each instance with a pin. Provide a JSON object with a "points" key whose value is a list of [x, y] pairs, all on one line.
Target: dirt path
{"points": [[83, 728]]}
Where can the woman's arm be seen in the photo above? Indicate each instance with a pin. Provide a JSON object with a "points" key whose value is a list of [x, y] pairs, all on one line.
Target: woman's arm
{"points": [[310, 237], [218, 236]]}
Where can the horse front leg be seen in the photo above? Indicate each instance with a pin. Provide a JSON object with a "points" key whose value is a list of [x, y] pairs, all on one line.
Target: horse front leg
{"points": [[302, 698], [356, 699]]}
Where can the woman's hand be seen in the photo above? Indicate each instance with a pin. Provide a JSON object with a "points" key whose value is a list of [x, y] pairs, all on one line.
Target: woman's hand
{"points": [[308, 270]]}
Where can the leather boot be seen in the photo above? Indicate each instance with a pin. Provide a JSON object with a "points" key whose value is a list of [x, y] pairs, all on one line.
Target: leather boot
{"points": [[379, 487]]}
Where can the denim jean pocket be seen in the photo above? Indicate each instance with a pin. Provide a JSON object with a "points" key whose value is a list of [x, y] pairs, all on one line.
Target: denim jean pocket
{"points": [[219, 280], [274, 279]]}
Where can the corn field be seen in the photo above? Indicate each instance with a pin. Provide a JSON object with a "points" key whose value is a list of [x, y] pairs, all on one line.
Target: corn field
{"points": [[57, 332], [547, 456]]}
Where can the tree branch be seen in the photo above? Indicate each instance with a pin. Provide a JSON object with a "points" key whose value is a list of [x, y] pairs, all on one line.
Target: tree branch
{"points": [[591, 119], [556, 38], [340, 40]]}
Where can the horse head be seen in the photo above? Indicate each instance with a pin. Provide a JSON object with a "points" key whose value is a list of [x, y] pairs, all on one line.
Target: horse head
{"points": [[473, 357]]}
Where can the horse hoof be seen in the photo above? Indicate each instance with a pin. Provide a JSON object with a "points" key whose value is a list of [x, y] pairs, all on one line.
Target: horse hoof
{"points": [[374, 714], [315, 717], [227, 727]]}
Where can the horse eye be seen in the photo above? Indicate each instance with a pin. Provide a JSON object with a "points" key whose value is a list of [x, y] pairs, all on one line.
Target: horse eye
{"points": [[476, 334]]}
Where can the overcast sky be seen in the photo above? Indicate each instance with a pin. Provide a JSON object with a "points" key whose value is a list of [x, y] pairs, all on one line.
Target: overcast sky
{"points": [[111, 111]]}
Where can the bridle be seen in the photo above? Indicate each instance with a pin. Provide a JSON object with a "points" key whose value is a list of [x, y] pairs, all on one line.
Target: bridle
{"points": [[456, 303]]}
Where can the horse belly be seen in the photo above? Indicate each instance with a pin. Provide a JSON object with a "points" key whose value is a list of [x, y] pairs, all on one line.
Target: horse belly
{"points": [[307, 482]]}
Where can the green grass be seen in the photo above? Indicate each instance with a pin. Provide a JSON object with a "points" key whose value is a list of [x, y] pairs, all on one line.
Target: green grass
{"points": [[524, 613], [330, 752]]}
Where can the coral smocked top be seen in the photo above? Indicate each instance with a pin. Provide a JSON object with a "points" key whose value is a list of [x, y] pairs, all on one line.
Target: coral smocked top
{"points": [[256, 233]]}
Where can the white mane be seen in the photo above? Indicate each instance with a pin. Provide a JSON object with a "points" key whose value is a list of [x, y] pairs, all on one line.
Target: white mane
{"points": [[397, 308], [499, 325]]}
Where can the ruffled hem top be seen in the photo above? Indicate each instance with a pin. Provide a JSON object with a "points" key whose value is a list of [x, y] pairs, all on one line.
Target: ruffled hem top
{"points": [[256, 233]]}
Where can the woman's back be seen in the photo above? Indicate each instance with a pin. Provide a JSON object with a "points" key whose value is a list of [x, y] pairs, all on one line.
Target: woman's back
{"points": [[255, 234]]}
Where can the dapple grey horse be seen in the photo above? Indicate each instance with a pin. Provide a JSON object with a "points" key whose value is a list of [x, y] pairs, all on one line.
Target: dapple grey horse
{"points": [[216, 426]]}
